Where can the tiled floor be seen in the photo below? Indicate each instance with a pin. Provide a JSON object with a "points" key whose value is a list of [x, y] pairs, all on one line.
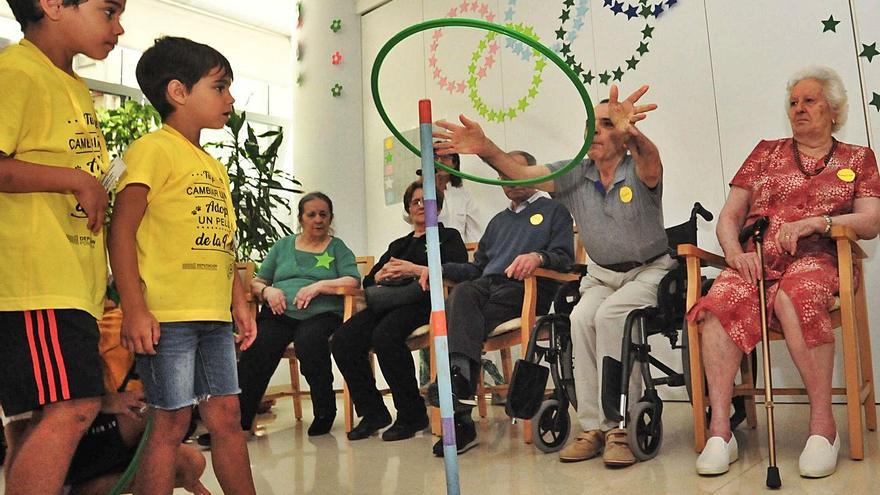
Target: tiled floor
{"points": [[286, 461]]}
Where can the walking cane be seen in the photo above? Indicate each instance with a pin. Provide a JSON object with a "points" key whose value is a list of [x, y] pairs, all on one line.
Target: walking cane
{"points": [[756, 232]]}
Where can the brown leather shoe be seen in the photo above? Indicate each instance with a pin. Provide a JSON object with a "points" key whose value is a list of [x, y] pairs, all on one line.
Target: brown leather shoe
{"points": [[585, 446], [617, 452]]}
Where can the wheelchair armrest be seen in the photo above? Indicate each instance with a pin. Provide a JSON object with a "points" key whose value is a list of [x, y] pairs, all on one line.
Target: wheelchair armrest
{"points": [[708, 259], [844, 233]]}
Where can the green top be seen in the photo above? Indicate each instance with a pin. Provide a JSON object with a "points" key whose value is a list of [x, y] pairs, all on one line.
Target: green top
{"points": [[290, 269]]}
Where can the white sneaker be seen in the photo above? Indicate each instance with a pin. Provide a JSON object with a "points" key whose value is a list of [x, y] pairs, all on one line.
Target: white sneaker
{"points": [[819, 458], [717, 456]]}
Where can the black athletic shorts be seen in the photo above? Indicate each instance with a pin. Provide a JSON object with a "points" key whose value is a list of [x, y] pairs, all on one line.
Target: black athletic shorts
{"points": [[48, 356], [101, 451]]}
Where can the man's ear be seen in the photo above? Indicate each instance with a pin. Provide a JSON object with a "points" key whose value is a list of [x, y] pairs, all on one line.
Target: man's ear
{"points": [[52, 8], [176, 92]]}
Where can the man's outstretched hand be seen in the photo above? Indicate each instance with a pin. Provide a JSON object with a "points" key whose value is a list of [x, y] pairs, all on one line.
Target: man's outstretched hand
{"points": [[465, 139], [624, 114]]}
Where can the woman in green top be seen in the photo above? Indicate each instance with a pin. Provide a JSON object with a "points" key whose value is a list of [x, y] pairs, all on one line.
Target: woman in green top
{"points": [[296, 283]]}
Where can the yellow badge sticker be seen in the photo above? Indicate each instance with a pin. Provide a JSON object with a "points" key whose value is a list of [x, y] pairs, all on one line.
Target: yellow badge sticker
{"points": [[626, 194], [389, 143], [846, 175], [536, 219]]}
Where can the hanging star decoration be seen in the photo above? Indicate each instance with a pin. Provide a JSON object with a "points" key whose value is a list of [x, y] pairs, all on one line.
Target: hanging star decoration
{"points": [[869, 51], [875, 101], [336, 58], [324, 260], [336, 25], [336, 90], [830, 24]]}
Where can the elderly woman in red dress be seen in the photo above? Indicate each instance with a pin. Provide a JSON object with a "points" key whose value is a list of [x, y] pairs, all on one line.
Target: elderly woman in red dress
{"points": [[804, 184]]}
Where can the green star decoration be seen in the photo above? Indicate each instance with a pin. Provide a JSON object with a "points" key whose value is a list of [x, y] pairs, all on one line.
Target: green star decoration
{"points": [[324, 260], [568, 3], [869, 51], [588, 77], [631, 63], [618, 74], [560, 34], [604, 77], [647, 32], [645, 12], [830, 24], [875, 101], [336, 90], [642, 49], [564, 16], [336, 25]]}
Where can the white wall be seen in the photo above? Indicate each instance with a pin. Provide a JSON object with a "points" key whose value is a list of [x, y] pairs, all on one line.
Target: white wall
{"points": [[717, 70]]}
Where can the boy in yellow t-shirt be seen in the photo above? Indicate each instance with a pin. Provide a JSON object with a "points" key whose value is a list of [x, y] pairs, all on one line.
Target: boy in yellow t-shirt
{"points": [[52, 203], [173, 258]]}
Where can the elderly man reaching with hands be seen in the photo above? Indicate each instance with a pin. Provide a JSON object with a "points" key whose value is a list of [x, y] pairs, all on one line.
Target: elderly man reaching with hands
{"points": [[616, 198]]}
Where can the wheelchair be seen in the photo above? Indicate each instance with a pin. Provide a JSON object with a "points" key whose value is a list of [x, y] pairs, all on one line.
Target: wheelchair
{"points": [[551, 342]]}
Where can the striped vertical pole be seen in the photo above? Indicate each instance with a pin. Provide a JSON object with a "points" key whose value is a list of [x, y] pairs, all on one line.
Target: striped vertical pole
{"points": [[438, 309]]}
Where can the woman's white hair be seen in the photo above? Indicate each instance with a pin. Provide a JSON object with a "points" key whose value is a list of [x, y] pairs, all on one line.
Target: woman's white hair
{"points": [[832, 88]]}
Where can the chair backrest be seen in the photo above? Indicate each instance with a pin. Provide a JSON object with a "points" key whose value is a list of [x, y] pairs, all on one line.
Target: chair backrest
{"points": [[365, 264]]}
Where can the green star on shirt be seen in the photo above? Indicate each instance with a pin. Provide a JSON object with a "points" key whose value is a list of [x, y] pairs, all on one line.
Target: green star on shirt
{"points": [[324, 260], [869, 51], [830, 24]]}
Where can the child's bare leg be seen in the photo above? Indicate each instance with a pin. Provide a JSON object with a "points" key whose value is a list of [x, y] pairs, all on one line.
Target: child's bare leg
{"points": [[41, 461], [228, 444], [157, 469]]}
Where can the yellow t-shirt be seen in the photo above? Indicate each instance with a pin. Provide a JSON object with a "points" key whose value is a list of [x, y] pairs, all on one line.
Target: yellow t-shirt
{"points": [[49, 257], [185, 246]]}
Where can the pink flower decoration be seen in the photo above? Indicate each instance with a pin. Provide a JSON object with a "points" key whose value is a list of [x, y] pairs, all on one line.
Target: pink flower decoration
{"points": [[336, 58]]}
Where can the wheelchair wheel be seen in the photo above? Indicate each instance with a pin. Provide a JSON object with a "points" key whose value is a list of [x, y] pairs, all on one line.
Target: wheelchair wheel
{"points": [[645, 430], [551, 426]]}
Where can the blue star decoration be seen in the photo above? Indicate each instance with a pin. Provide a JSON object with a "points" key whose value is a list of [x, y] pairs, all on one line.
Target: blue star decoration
{"points": [[830, 24], [336, 90], [869, 51], [875, 101], [336, 25], [324, 260]]}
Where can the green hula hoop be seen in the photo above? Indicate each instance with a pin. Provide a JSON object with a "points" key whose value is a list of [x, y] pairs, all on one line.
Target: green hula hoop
{"points": [[486, 26]]}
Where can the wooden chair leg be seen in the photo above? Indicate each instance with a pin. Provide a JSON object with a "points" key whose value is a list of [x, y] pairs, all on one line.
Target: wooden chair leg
{"points": [[294, 387], [346, 405], [749, 400], [481, 394], [698, 387], [853, 399], [864, 336]]}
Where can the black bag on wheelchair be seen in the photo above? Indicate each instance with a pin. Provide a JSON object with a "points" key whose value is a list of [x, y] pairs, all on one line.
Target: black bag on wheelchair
{"points": [[526, 391]]}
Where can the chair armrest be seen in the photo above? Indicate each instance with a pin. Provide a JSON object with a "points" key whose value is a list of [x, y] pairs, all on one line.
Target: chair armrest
{"points": [[348, 291], [844, 233], [558, 276], [709, 259]]}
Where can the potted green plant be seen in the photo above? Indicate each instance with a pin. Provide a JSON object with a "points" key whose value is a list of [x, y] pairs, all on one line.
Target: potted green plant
{"points": [[260, 189], [121, 126]]}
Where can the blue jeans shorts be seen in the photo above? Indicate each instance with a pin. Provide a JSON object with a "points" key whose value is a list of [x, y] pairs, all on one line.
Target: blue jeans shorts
{"points": [[194, 360]]}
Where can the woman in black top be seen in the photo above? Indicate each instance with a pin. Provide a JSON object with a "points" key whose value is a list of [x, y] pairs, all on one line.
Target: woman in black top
{"points": [[386, 331]]}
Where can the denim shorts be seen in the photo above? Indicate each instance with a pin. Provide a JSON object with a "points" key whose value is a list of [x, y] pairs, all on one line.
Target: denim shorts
{"points": [[194, 361]]}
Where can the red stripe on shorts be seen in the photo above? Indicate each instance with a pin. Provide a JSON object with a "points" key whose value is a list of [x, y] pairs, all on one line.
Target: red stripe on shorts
{"points": [[50, 373], [59, 358], [29, 328]]}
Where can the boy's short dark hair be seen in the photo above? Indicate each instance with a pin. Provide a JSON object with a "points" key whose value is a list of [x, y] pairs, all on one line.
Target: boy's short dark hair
{"points": [[29, 12], [173, 58]]}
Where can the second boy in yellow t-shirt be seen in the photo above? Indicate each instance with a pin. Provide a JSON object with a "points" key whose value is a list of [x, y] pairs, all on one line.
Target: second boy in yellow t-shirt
{"points": [[173, 258]]}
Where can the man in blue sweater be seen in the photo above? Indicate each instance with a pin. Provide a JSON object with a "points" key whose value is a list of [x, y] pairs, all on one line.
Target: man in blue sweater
{"points": [[532, 232]]}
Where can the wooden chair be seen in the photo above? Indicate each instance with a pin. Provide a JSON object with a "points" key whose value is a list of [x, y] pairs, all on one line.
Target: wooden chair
{"points": [[850, 315], [352, 302]]}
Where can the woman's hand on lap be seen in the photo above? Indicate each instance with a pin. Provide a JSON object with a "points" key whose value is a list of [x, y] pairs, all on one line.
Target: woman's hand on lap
{"points": [[276, 299], [746, 264]]}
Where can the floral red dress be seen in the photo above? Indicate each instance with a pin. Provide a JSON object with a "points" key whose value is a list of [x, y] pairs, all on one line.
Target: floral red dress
{"points": [[780, 191]]}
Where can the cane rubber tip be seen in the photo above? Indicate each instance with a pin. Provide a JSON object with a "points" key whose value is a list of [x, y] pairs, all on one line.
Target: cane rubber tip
{"points": [[773, 480], [424, 111]]}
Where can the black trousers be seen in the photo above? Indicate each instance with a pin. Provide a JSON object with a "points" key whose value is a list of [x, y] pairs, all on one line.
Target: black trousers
{"points": [[311, 338], [386, 334]]}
